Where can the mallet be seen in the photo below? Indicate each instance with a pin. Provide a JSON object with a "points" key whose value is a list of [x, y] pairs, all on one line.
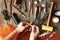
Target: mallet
{"points": [[48, 28]]}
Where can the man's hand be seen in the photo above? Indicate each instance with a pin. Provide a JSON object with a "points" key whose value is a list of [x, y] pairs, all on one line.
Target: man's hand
{"points": [[33, 34], [22, 26]]}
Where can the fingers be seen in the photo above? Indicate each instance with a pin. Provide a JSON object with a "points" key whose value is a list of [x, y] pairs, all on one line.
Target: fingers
{"points": [[32, 28], [32, 34], [37, 30], [24, 24]]}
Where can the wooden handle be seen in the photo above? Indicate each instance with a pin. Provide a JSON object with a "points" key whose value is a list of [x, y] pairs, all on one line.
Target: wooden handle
{"points": [[50, 13], [19, 11], [35, 12], [39, 9], [5, 3], [10, 7]]}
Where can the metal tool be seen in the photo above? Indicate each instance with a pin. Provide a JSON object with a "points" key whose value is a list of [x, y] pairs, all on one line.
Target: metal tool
{"points": [[25, 5], [48, 28], [7, 13], [31, 11], [43, 19], [6, 16], [21, 13], [37, 19], [15, 18], [51, 35], [44, 34]]}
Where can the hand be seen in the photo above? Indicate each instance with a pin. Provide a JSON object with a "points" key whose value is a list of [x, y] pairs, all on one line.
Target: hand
{"points": [[0, 38], [33, 34], [22, 26]]}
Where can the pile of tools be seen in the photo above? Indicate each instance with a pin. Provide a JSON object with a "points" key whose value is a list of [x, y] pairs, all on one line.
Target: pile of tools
{"points": [[37, 11]]}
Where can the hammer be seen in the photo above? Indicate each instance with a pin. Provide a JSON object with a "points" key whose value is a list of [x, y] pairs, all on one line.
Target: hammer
{"points": [[48, 28]]}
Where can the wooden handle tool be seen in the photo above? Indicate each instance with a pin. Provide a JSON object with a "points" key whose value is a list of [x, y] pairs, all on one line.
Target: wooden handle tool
{"points": [[48, 28], [19, 11], [35, 12]]}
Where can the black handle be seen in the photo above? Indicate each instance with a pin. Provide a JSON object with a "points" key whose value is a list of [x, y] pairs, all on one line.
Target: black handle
{"points": [[5, 13], [15, 18]]}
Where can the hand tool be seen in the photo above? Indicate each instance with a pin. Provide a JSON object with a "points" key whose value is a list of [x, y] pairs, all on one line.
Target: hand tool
{"points": [[5, 13], [5, 4], [10, 7], [15, 18], [51, 35], [48, 28], [19, 11], [6, 16], [44, 34], [29, 5], [43, 19], [31, 11], [37, 19], [43, 12], [25, 5], [35, 12], [29, 8]]}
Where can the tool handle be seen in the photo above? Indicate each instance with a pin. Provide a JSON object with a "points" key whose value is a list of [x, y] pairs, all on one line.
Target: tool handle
{"points": [[19, 11], [10, 9], [5, 13], [5, 4], [35, 12], [50, 13], [36, 15], [15, 18], [25, 5]]}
